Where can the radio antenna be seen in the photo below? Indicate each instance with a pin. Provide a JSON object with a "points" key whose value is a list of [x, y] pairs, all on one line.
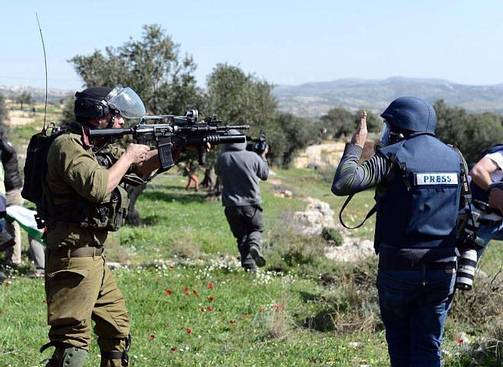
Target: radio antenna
{"points": [[45, 65]]}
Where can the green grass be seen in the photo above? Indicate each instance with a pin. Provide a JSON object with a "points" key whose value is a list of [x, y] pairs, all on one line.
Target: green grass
{"points": [[210, 313]]}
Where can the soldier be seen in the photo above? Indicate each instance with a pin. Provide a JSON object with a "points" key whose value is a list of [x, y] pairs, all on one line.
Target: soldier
{"points": [[240, 171], [83, 201], [417, 202]]}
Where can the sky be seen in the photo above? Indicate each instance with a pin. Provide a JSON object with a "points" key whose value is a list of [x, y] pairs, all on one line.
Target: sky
{"points": [[284, 42]]}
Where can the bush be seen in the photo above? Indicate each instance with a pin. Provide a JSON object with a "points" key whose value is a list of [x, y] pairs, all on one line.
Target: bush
{"points": [[351, 304], [481, 306], [332, 236]]}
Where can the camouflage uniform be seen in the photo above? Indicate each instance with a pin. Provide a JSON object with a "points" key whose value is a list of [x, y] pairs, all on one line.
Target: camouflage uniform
{"points": [[79, 286]]}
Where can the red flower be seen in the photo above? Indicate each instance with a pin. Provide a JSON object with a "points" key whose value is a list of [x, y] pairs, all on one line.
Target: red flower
{"points": [[278, 307], [211, 285], [211, 298], [188, 330], [459, 341], [209, 309], [168, 292], [186, 291], [151, 337]]}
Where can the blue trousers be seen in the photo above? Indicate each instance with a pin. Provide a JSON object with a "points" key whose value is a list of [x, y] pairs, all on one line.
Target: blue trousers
{"points": [[414, 306]]}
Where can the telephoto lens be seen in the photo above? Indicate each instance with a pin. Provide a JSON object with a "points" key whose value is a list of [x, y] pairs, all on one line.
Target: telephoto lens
{"points": [[466, 269]]}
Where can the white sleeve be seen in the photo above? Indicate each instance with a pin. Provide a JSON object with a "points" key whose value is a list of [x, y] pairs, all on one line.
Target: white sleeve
{"points": [[497, 158]]}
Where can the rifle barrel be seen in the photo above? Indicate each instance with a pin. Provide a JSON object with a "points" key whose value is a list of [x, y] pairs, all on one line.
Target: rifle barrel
{"points": [[109, 132]]}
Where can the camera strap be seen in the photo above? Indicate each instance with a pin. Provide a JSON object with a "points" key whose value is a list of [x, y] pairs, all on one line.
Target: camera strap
{"points": [[467, 193], [370, 213]]}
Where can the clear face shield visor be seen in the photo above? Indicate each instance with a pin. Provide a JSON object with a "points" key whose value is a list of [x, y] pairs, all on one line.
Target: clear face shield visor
{"points": [[388, 136], [384, 136], [127, 102]]}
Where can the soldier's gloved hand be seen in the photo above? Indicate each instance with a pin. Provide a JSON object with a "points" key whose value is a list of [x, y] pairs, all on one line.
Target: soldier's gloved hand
{"points": [[137, 152]]}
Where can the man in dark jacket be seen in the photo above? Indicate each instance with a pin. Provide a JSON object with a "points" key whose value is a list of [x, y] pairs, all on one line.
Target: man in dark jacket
{"points": [[240, 171], [13, 184], [418, 189]]}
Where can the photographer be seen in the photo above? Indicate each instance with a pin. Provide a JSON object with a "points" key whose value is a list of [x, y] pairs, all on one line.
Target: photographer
{"points": [[417, 203], [240, 171], [487, 172]]}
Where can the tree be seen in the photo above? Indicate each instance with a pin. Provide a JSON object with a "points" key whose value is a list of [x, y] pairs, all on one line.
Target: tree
{"points": [[291, 134], [24, 98], [152, 66], [67, 113], [3, 110], [340, 122], [239, 98], [471, 133]]}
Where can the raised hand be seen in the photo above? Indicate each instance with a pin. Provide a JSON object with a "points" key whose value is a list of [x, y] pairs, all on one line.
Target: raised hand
{"points": [[360, 135]]}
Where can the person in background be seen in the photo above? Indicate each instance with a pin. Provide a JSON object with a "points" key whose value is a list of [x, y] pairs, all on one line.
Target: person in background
{"points": [[13, 184], [486, 172], [6, 240], [190, 170], [240, 171]]}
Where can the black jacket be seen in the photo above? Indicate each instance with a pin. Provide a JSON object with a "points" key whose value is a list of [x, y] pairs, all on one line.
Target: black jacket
{"points": [[12, 178]]}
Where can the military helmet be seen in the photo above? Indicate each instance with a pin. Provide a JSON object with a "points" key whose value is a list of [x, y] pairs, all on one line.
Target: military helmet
{"points": [[410, 114], [96, 102]]}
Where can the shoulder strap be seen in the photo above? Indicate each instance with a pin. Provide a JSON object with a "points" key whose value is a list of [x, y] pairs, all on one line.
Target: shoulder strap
{"points": [[467, 193], [369, 214]]}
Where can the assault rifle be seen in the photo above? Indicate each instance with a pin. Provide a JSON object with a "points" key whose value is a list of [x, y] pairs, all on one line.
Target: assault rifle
{"points": [[170, 132]]}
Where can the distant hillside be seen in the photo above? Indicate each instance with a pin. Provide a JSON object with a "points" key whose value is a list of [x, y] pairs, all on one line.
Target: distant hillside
{"points": [[315, 99], [38, 94]]}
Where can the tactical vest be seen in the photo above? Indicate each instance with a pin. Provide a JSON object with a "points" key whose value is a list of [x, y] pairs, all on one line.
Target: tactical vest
{"points": [[109, 215], [418, 203]]}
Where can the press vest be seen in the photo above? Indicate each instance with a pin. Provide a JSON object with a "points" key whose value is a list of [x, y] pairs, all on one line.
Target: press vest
{"points": [[418, 202]]}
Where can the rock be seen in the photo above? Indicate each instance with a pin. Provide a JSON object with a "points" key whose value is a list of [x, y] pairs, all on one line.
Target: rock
{"points": [[114, 265], [319, 215], [352, 250]]}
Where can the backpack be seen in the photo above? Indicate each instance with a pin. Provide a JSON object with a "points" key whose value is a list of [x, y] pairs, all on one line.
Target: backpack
{"points": [[35, 167]]}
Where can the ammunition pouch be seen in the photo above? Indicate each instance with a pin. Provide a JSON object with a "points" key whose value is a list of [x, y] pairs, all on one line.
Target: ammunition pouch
{"points": [[109, 216]]}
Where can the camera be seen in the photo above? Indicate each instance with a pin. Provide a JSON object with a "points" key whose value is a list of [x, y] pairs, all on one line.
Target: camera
{"points": [[468, 242], [466, 269], [258, 145]]}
